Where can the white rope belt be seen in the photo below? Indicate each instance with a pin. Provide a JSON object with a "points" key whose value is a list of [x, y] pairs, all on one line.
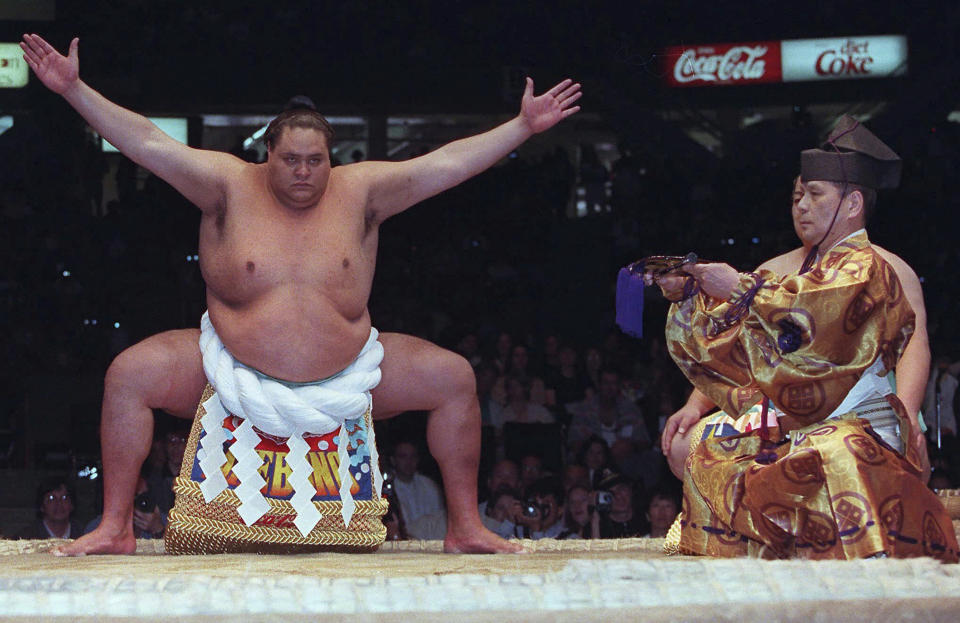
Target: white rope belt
{"points": [[282, 411]]}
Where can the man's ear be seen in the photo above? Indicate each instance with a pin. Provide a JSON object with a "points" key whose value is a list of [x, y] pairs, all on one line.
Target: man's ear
{"points": [[855, 204]]}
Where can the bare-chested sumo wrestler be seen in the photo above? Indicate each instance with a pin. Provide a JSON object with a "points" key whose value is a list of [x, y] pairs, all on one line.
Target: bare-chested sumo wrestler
{"points": [[287, 250]]}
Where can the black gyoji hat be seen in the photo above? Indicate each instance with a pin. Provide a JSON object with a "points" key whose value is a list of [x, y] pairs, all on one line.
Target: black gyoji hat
{"points": [[852, 154]]}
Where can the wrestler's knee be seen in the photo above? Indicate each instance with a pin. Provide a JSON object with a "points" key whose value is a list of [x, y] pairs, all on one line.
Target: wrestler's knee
{"points": [[151, 366], [456, 375], [677, 456], [129, 367]]}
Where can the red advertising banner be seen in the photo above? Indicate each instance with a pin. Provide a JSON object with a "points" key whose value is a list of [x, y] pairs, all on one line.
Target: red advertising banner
{"points": [[723, 63]]}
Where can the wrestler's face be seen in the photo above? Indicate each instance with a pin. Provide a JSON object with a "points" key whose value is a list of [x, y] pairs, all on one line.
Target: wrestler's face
{"points": [[814, 209], [299, 167]]}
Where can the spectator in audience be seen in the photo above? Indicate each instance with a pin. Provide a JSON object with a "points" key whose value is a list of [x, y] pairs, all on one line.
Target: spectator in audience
{"points": [[608, 415], [501, 513], [544, 508], [550, 359], [469, 347], [580, 511], [662, 510], [941, 391], [531, 470], [595, 456], [519, 408], [418, 494], [490, 408], [519, 368], [504, 475], [575, 475], [54, 504], [621, 520], [568, 381], [503, 349], [593, 363]]}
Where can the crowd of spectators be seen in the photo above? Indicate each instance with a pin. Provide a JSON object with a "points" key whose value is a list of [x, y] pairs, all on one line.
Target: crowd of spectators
{"points": [[498, 269]]}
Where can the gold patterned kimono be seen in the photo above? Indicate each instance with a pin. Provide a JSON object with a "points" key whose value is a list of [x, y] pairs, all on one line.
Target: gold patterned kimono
{"points": [[831, 488]]}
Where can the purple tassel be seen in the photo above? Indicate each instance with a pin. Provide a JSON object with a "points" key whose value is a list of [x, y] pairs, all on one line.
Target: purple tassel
{"points": [[630, 302]]}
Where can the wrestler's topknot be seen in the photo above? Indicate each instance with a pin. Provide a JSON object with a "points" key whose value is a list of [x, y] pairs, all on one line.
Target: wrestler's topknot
{"points": [[299, 112]]}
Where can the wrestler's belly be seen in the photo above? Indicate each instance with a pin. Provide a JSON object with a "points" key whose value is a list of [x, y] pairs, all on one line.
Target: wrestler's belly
{"points": [[294, 338]]}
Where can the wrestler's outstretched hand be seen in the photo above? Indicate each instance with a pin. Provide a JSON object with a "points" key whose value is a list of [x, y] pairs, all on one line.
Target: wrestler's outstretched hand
{"points": [[56, 71], [545, 111]]}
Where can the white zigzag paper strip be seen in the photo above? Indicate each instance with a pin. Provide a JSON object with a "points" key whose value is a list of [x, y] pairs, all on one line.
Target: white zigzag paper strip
{"points": [[374, 455], [211, 448], [348, 505], [253, 506], [303, 491]]}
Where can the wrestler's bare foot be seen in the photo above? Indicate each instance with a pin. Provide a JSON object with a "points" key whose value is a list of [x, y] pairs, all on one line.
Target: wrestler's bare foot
{"points": [[100, 541], [478, 541]]}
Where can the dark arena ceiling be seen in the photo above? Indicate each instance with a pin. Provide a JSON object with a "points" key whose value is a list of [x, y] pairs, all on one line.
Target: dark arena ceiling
{"points": [[456, 56]]}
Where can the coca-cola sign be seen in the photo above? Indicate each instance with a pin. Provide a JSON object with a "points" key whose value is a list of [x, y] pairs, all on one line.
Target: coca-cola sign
{"points": [[788, 61], [727, 63]]}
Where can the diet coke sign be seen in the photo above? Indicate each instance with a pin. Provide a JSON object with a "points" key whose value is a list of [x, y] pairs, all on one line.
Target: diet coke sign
{"points": [[844, 58], [731, 63]]}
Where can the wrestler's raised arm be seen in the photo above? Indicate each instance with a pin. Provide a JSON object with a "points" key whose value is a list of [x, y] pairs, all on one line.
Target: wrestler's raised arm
{"points": [[395, 186], [199, 175]]}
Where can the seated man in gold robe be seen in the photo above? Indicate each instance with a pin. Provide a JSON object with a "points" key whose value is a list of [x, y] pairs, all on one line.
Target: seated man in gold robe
{"points": [[813, 455]]}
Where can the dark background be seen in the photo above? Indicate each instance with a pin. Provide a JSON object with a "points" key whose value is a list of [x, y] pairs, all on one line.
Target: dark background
{"points": [[442, 265]]}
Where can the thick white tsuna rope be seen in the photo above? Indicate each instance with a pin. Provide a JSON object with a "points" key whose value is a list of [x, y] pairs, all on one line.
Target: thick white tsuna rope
{"points": [[281, 411]]}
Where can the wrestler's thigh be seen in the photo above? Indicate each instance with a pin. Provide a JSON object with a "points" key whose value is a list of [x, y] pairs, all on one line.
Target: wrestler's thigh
{"points": [[419, 376], [164, 371]]}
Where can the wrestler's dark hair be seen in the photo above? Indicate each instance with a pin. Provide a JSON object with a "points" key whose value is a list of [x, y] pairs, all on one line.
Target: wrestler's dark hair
{"points": [[300, 112]]}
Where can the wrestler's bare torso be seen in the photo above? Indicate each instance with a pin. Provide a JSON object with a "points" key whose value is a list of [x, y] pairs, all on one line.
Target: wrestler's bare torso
{"points": [[288, 280]]}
